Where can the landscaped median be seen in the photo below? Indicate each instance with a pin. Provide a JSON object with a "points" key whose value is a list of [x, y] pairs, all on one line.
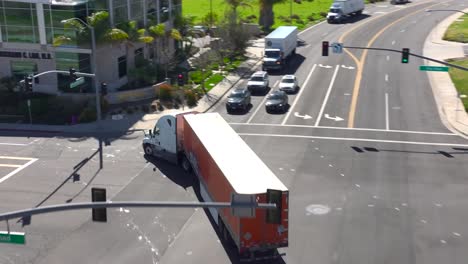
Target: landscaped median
{"points": [[458, 32], [460, 78]]}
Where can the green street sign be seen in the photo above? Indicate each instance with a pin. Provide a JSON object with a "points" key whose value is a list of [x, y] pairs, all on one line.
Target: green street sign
{"points": [[78, 81], [12, 237], [434, 68]]}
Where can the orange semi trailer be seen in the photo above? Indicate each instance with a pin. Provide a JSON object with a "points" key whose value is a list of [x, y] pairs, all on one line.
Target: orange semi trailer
{"points": [[225, 165]]}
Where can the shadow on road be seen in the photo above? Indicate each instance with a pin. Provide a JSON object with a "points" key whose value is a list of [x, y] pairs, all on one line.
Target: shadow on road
{"points": [[172, 172], [292, 65], [447, 154]]}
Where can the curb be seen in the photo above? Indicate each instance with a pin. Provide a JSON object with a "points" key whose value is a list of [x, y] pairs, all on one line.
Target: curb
{"points": [[233, 84]]}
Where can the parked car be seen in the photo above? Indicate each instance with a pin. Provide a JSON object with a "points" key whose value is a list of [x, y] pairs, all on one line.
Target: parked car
{"points": [[199, 31], [276, 101], [239, 99], [258, 82], [289, 84]]}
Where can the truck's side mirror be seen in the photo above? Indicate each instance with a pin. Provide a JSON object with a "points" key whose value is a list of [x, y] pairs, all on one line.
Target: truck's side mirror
{"points": [[151, 133]]}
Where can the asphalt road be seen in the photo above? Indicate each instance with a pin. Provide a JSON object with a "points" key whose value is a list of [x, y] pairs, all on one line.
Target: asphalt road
{"points": [[388, 187]]}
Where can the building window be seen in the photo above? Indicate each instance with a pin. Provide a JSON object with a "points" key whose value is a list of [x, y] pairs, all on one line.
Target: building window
{"points": [[81, 62], [139, 57], [19, 22], [122, 66], [53, 17], [120, 11], [21, 69], [164, 10], [136, 10]]}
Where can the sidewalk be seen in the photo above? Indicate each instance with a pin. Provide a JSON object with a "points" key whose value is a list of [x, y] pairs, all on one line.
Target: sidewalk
{"points": [[449, 105], [138, 122]]}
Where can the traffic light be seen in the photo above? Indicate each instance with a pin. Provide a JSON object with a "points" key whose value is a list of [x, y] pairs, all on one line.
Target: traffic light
{"points": [[180, 79], [28, 82], [103, 89], [405, 55], [273, 216], [73, 76], [99, 195], [325, 48]]}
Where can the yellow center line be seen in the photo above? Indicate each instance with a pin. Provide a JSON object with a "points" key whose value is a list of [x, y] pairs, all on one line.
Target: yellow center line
{"points": [[360, 63], [10, 165]]}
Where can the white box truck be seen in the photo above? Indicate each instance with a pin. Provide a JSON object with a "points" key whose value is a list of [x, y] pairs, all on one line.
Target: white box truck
{"points": [[394, 2], [279, 46], [342, 9]]}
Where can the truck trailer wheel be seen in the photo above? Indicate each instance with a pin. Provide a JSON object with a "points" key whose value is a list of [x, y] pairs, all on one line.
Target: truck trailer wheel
{"points": [[148, 149]]}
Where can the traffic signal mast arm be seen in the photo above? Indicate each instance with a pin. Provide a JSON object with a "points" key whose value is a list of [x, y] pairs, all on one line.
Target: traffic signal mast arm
{"points": [[63, 72], [412, 54], [110, 204]]}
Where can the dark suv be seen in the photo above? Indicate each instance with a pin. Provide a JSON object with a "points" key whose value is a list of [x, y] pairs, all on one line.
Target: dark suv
{"points": [[239, 99]]}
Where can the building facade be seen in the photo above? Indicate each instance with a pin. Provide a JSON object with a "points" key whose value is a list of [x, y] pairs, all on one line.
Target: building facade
{"points": [[28, 29]]}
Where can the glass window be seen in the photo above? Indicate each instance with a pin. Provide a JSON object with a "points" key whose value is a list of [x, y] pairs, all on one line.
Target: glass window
{"points": [[20, 69], [19, 22], [164, 10], [81, 62], [122, 61], [136, 10], [151, 9], [139, 57], [120, 11]]}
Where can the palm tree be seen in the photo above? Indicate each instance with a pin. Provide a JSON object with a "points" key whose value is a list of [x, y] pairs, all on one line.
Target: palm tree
{"points": [[158, 32], [234, 4], [267, 17]]}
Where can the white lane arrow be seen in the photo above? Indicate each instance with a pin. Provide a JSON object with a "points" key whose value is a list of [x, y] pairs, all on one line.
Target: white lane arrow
{"points": [[326, 66], [347, 67], [336, 118], [296, 114]]}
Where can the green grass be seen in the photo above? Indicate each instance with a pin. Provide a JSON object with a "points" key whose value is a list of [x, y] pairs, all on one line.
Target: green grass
{"points": [[460, 78], [458, 30], [200, 8], [213, 80]]}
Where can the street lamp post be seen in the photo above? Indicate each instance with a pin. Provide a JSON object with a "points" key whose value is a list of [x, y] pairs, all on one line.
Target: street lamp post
{"points": [[93, 65], [96, 81]]}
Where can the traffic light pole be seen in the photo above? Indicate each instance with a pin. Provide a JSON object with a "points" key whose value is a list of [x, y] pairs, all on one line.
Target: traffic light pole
{"points": [[96, 205], [412, 54]]}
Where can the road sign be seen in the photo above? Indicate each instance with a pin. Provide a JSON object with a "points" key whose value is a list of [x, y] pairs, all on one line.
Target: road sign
{"points": [[337, 47], [12, 237], [434, 68], [78, 81]]}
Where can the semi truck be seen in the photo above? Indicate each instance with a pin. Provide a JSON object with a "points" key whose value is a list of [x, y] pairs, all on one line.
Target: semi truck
{"points": [[342, 9], [279, 46], [224, 164]]}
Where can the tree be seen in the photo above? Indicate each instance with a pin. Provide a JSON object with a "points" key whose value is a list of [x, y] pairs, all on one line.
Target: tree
{"points": [[267, 17], [234, 5]]}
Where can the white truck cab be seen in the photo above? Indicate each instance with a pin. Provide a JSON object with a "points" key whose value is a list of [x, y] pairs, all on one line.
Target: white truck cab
{"points": [[162, 139]]}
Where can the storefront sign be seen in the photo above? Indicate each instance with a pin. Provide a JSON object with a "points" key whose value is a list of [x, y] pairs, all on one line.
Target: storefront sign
{"points": [[26, 55]]}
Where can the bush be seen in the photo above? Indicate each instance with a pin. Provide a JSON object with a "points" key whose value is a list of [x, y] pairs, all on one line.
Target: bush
{"points": [[197, 77], [87, 115], [323, 14], [295, 16], [191, 98], [165, 92], [311, 17]]}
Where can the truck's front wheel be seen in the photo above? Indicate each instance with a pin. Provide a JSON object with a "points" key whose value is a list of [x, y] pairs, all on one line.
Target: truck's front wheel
{"points": [[148, 149]]}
